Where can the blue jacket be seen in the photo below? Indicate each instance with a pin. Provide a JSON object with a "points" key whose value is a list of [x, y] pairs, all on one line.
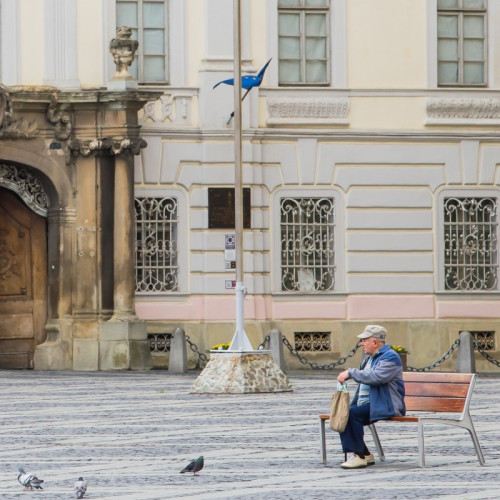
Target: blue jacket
{"points": [[385, 378]]}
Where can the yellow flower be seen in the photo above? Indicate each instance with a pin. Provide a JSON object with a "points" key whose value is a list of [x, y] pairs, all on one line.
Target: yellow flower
{"points": [[224, 346], [400, 349]]}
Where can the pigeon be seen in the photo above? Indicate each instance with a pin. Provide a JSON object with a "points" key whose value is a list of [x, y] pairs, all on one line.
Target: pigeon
{"points": [[194, 466], [80, 487], [29, 480]]}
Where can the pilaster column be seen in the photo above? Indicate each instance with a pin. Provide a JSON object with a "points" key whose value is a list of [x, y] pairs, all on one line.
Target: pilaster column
{"points": [[124, 239]]}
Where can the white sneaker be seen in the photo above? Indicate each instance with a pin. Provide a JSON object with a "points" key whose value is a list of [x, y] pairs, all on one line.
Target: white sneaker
{"points": [[354, 462], [370, 459]]}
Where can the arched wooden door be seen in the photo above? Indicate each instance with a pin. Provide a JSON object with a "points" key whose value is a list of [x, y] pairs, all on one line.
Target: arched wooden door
{"points": [[23, 281]]}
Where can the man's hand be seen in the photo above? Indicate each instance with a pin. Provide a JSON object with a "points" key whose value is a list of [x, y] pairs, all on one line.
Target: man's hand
{"points": [[343, 376]]}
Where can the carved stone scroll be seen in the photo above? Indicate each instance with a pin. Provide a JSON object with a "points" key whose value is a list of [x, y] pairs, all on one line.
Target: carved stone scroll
{"points": [[60, 119], [463, 110], [115, 147], [310, 110], [10, 128]]}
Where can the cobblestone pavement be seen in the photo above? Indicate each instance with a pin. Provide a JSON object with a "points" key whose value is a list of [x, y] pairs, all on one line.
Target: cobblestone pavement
{"points": [[130, 433]]}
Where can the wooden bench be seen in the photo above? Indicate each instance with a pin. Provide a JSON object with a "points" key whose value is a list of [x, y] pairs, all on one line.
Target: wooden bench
{"points": [[428, 392]]}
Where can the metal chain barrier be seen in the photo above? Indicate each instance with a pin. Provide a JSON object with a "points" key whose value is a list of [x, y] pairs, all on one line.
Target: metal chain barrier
{"points": [[484, 353], [351, 353], [317, 366], [195, 349], [265, 343], [439, 362]]}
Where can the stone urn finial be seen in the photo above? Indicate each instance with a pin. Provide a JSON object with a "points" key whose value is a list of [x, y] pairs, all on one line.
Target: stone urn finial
{"points": [[123, 50]]}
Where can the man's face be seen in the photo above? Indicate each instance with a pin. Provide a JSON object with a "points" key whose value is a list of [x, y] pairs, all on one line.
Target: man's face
{"points": [[370, 345]]}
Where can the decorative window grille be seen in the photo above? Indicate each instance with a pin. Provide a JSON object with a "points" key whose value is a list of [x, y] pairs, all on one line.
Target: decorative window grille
{"points": [[485, 339], [159, 342], [470, 244], [461, 26], [312, 341], [303, 42], [149, 23], [157, 267], [307, 245]]}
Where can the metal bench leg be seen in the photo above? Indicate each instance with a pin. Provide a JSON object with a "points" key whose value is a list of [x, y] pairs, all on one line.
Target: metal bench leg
{"points": [[421, 445], [322, 436], [477, 447], [467, 423], [376, 440]]}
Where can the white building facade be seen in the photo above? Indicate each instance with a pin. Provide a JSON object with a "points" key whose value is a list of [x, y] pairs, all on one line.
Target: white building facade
{"points": [[370, 157]]}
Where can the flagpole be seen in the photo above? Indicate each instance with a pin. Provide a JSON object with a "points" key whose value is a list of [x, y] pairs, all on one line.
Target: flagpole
{"points": [[240, 340]]}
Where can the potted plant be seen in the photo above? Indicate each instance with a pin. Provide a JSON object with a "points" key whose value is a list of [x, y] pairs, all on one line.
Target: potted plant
{"points": [[403, 354]]}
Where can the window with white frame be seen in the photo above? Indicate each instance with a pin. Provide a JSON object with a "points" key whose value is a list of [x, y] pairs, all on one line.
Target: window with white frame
{"points": [[157, 267], [470, 255], [149, 22], [307, 233], [303, 42], [462, 42]]}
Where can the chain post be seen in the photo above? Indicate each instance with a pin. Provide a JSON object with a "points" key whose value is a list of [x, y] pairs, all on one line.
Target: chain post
{"points": [[484, 353]]}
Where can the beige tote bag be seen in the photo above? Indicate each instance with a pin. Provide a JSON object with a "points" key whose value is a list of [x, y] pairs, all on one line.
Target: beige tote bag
{"points": [[339, 408]]}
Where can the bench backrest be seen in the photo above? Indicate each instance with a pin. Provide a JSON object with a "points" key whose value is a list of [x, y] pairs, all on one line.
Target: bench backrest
{"points": [[441, 392]]}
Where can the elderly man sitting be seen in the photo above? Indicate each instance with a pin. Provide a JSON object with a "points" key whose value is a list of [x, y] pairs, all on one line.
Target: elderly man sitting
{"points": [[379, 395]]}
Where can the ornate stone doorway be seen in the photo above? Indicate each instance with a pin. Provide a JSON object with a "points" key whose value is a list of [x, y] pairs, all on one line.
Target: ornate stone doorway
{"points": [[23, 281]]}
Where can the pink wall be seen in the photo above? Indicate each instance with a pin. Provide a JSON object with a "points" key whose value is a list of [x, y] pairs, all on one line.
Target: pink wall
{"points": [[258, 307]]}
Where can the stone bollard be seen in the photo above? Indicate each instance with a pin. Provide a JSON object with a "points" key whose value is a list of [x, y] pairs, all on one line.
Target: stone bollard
{"points": [[178, 352], [465, 361], [276, 348]]}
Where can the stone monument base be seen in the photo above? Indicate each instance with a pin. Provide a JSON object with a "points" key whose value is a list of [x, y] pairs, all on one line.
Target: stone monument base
{"points": [[240, 372]]}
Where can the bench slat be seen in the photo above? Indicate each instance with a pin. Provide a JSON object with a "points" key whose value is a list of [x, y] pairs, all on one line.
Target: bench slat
{"points": [[436, 389], [434, 404], [406, 418], [464, 378]]}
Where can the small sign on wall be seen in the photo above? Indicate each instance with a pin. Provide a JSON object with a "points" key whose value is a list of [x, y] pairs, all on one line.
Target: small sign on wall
{"points": [[230, 265], [221, 208], [230, 284], [230, 246], [230, 252]]}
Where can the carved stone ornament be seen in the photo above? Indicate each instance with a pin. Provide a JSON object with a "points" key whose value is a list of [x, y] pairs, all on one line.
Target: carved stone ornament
{"points": [[96, 147], [463, 110], [60, 119], [26, 185], [123, 49], [8, 262], [10, 128], [307, 110]]}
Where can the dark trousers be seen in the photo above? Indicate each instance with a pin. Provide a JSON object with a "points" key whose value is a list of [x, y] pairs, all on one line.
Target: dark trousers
{"points": [[352, 438]]}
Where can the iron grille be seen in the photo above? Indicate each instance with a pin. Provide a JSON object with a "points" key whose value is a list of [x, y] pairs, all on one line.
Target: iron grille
{"points": [[159, 342], [484, 339], [157, 267], [312, 341], [470, 244], [307, 245]]}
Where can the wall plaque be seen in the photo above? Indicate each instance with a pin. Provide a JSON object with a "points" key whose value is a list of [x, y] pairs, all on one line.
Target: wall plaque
{"points": [[221, 208]]}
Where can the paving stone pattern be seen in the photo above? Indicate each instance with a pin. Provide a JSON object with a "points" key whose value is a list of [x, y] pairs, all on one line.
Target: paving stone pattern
{"points": [[130, 433]]}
